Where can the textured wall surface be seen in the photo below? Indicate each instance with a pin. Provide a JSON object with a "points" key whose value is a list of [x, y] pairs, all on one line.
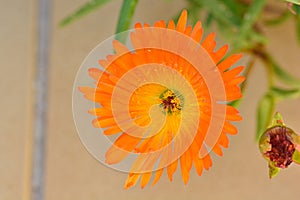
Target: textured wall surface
{"points": [[71, 172], [17, 53]]}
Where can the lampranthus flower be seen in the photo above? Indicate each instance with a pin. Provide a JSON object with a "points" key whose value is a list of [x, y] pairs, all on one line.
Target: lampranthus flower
{"points": [[280, 145], [166, 100]]}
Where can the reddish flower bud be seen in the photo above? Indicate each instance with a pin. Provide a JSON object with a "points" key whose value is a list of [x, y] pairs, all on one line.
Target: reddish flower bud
{"points": [[280, 146]]}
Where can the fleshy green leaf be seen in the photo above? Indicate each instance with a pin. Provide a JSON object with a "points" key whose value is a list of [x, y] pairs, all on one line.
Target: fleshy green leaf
{"points": [[294, 1], [125, 18], [296, 157], [279, 20], [296, 8], [283, 94], [248, 37], [82, 11], [250, 17], [264, 114]]}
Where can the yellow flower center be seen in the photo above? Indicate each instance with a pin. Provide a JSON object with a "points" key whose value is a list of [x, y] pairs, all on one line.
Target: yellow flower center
{"points": [[171, 102]]}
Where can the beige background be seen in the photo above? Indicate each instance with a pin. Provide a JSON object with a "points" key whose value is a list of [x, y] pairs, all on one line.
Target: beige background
{"points": [[71, 172]]}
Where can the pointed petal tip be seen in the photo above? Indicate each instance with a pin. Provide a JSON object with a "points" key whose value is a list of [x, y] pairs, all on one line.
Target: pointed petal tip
{"points": [[181, 24], [128, 185], [183, 14]]}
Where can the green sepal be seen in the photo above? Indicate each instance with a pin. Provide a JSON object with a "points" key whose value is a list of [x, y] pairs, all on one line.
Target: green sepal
{"points": [[264, 144], [277, 120], [273, 171], [296, 157], [296, 139]]}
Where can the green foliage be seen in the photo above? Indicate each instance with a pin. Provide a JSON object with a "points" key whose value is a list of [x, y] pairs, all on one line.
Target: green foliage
{"points": [[264, 114], [279, 20], [125, 18], [83, 10], [283, 94], [294, 1], [250, 17]]}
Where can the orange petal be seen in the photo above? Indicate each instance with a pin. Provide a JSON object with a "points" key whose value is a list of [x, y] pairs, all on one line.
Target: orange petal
{"points": [[228, 62], [171, 25], [207, 162], [232, 114], [92, 94], [233, 92], [198, 165], [197, 32], [209, 43], [171, 169], [186, 164], [103, 63], [112, 130], [229, 128], [223, 140], [95, 73], [188, 30], [121, 148], [160, 24], [145, 179], [131, 180], [105, 88], [232, 73], [237, 80], [182, 21], [86, 90], [158, 174], [119, 47], [220, 53], [138, 25], [103, 112], [104, 122], [217, 150]]}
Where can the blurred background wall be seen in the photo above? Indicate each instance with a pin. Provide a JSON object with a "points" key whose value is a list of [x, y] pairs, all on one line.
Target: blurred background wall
{"points": [[71, 173]]}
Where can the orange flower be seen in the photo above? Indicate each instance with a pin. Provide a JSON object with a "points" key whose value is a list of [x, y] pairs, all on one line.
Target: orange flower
{"points": [[165, 99]]}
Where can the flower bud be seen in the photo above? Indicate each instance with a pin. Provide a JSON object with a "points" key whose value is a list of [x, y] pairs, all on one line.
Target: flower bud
{"points": [[280, 145]]}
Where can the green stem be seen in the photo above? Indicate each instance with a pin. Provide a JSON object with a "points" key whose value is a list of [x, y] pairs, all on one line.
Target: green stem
{"points": [[250, 17], [125, 18]]}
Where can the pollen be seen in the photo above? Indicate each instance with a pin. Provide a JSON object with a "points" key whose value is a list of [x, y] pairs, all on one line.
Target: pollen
{"points": [[171, 103]]}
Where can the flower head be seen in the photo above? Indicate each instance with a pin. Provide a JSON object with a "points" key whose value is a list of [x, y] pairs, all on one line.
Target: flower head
{"points": [[165, 100], [280, 146]]}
